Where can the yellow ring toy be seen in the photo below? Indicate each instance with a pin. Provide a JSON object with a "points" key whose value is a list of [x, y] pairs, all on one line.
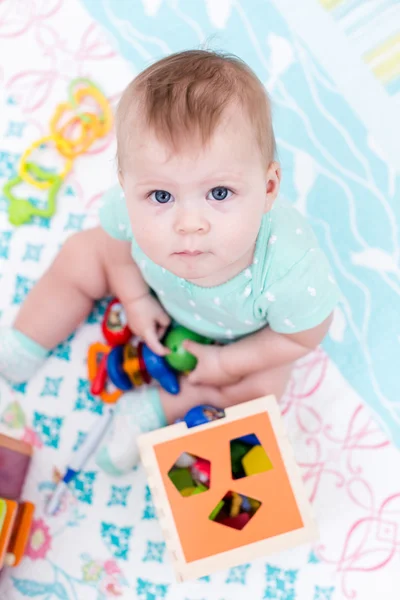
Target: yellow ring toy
{"points": [[106, 118], [74, 147], [40, 184]]}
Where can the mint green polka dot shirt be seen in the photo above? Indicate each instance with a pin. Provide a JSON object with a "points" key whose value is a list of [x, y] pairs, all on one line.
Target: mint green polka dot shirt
{"points": [[289, 286]]}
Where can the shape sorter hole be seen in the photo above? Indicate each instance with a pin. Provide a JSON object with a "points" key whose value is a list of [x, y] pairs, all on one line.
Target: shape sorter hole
{"points": [[248, 457], [190, 474], [235, 510]]}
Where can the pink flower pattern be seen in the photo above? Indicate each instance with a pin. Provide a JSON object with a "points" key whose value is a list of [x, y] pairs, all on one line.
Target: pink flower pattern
{"points": [[40, 540]]}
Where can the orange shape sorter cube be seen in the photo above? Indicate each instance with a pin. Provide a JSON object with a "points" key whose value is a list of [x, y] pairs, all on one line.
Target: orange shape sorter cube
{"points": [[255, 503]]}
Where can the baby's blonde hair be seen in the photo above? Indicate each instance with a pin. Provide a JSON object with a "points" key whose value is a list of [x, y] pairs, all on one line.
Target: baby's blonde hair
{"points": [[186, 94]]}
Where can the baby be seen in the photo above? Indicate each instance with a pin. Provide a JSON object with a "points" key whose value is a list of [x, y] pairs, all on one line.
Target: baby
{"points": [[195, 233]]}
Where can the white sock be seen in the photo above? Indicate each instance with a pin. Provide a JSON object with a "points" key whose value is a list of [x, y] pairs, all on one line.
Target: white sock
{"points": [[136, 412], [20, 357]]}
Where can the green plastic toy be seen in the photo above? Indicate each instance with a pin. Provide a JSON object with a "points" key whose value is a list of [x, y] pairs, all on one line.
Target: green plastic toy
{"points": [[21, 210], [179, 358]]}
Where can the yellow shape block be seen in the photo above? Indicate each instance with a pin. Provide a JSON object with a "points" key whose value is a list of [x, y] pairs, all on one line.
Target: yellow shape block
{"points": [[236, 504], [256, 461], [188, 491]]}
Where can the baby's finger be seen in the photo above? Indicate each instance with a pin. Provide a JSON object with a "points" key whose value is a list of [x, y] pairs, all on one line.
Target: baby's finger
{"points": [[164, 320], [194, 377], [195, 348], [151, 339]]}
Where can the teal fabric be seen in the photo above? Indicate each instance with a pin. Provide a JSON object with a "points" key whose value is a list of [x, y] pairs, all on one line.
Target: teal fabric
{"points": [[29, 345], [289, 286], [137, 412], [20, 357]]}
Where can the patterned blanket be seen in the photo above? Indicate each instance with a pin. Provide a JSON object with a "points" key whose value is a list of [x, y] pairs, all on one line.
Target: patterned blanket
{"points": [[105, 542]]}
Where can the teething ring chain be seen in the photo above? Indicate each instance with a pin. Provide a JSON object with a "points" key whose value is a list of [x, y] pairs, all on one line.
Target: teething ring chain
{"points": [[69, 147], [92, 125], [42, 184]]}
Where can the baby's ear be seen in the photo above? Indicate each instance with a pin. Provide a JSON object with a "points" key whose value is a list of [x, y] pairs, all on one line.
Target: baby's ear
{"points": [[273, 182]]}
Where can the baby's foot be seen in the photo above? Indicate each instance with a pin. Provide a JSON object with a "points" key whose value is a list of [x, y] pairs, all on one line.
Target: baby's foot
{"points": [[136, 412], [20, 357]]}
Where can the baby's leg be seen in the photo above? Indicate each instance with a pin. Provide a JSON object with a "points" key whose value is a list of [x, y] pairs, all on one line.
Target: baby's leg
{"points": [[151, 408], [261, 383], [64, 295], [84, 270]]}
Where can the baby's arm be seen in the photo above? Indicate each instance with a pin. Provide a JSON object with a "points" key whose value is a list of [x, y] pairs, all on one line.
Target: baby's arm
{"points": [[89, 266], [266, 349]]}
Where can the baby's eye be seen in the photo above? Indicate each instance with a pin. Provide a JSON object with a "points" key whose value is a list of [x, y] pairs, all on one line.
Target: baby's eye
{"points": [[219, 193], [161, 196]]}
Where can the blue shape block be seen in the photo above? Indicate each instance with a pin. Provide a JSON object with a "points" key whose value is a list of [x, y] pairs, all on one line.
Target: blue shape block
{"points": [[250, 439], [199, 415]]}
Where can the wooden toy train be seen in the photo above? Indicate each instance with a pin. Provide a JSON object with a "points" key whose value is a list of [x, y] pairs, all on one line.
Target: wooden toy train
{"points": [[15, 515]]}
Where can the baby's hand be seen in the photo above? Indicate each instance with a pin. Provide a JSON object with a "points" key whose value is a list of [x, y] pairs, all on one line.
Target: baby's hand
{"points": [[209, 369], [148, 320]]}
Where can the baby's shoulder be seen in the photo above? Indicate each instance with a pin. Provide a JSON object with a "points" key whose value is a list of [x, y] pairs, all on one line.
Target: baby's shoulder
{"points": [[286, 239], [290, 225]]}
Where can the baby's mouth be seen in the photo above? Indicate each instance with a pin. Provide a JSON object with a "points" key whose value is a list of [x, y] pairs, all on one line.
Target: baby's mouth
{"points": [[189, 253]]}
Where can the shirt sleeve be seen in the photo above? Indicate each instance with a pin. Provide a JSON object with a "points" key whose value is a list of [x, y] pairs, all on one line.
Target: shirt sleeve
{"points": [[113, 215], [302, 298]]}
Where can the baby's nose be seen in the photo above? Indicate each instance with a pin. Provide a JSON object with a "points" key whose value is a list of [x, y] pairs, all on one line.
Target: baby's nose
{"points": [[189, 221]]}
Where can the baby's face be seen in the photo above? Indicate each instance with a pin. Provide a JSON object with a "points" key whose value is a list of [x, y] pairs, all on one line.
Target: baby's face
{"points": [[197, 213]]}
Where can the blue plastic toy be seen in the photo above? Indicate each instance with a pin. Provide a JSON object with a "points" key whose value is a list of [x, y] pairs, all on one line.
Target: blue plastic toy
{"points": [[115, 371], [158, 369], [204, 413]]}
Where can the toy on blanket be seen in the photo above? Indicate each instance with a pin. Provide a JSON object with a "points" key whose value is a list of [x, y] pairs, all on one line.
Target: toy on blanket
{"points": [[90, 126], [227, 491], [122, 364], [15, 516]]}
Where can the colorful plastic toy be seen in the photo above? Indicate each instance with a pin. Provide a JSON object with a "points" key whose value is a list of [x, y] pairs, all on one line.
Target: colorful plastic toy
{"points": [[115, 325], [179, 358], [93, 125], [199, 415], [231, 522], [123, 364], [15, 516], [158, 369]]}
